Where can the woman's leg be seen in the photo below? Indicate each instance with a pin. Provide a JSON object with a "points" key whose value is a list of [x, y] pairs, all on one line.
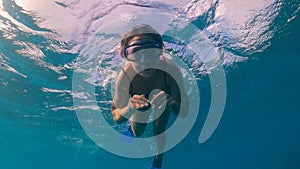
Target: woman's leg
{"points": [[139, 122], [138, 128], [159, 127]]}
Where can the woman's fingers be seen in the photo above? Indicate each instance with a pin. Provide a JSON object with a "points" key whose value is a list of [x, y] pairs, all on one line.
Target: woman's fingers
{"points": [[139, 101], [158, 100]]}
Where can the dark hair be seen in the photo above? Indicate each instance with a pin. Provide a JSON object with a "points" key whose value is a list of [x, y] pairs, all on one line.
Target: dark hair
{"points": [[142, 30]]}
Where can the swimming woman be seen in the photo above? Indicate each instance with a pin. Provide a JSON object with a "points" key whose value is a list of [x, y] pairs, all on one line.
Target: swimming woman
{"points": [[143, 85]]}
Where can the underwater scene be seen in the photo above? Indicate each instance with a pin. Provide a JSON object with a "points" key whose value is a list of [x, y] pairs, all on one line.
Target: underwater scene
{"points": [[59, 63]]}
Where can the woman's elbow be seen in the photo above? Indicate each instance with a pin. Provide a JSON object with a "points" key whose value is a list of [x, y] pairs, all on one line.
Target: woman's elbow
{"points": [[118, 120], [117, 117]]}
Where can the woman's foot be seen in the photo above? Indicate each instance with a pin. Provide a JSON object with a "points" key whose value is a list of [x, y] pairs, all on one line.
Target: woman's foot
{"points": [[157, 162]]}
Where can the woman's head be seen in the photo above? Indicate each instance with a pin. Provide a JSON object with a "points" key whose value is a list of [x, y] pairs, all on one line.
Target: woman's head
{"points": [[142, 46], [143, 32]]}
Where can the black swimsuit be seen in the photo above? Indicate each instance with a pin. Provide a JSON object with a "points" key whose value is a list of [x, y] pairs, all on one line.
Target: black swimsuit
{"points": [[144, 85]]}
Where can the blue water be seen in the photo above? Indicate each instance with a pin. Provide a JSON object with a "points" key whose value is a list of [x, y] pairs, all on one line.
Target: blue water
{"points": [[260, 124]]}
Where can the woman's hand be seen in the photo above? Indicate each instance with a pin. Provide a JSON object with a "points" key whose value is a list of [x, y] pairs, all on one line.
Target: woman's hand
{"points": [[138, 101], [160, 100]]}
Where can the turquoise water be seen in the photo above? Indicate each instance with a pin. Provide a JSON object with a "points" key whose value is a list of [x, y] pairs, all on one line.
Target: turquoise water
{"points": [[259, 128]]}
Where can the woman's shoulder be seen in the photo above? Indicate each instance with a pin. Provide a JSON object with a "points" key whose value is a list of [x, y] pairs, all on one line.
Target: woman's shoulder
{"points": [[126, 66], [126, 73], [173, 70], [168, 64], [123, 74]]}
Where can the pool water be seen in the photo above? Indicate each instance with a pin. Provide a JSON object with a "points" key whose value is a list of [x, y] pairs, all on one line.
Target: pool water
{"points": [[258, 43]]}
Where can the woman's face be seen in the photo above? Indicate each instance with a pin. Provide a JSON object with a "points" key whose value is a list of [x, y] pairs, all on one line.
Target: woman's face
{"points": [[143, 52]]}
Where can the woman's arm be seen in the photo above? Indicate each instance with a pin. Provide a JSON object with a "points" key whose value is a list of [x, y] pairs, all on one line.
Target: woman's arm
{"points": [[123, 106], [120, 113], [120, 107], [134, 103]]}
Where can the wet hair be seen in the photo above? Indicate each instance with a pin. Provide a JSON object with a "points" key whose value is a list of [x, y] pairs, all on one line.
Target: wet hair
{"points": [[142, 30]]}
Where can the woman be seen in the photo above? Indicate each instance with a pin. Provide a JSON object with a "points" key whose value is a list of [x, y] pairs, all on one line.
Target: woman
{"points": [[143, 85]]}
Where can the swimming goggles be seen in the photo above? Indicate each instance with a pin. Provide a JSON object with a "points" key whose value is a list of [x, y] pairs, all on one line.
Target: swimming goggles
{"points": [[139, 45]]}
